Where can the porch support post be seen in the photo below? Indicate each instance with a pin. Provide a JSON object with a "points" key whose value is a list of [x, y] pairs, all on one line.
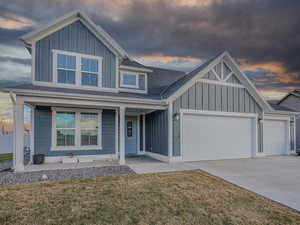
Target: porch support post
{"points": [[18, 143], [32, 134], [122, 136], [144, 132], [170, 130]]}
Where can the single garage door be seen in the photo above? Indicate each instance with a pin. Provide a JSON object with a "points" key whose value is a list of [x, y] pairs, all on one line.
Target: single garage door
{"points": [[275, 137], [212, 137]]}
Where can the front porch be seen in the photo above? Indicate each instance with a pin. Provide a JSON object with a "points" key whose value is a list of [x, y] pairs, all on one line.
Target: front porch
{"points": [[122, 133]]}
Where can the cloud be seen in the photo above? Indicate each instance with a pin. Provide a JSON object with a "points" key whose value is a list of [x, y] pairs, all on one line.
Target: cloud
{"points": [[263, 35]]}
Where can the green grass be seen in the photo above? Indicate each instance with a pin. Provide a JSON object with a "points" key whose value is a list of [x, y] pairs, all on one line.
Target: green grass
{"points": [[191, 197], [4, 157]]}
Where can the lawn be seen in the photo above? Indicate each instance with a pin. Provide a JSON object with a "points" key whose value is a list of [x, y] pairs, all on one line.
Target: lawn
{"points": [[4, 157], [192, 197]]}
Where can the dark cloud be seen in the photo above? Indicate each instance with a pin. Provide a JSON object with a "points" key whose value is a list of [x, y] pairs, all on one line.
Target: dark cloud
{"points": [[15, 60], [252, 30]]}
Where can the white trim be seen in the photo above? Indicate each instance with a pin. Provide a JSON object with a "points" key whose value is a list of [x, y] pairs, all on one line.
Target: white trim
{"points": [[96, 98], [32, 134], [138, 147], [269, 117], [144, 132], [217, 113], [220, 83], [295, 136], [175, 159], [71, 102], [220, 114], [117, 133], [170, 130], [122, 136], [78, 71], [157, 156], [117, 73], [135, 68], [215, 73], [73, 86], [33, 59], [55, 159], [77, 145], [132, 90], [122, 73]]}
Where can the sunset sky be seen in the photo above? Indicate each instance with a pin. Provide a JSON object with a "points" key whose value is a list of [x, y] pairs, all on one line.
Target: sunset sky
{"points": [[263, 36]]}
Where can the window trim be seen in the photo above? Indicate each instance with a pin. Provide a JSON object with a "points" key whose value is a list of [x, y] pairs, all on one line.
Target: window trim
{"points": [[128, 85], [78, 71], [77, 145]]}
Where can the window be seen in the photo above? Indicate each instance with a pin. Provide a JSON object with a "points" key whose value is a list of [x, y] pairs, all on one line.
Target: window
{"points": [[76, 129], [66, 69], [89, 128], [65, 129], [129, 80], [129, 129], [77, 69], [89, 72]]}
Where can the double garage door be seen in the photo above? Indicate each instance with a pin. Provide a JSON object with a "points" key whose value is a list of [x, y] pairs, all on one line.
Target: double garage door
{"points": [[213, 136]]}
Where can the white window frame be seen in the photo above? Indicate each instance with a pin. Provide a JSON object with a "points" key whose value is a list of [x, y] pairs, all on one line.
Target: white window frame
{"points": [[77, 145], [78, 71], [128, 85]]}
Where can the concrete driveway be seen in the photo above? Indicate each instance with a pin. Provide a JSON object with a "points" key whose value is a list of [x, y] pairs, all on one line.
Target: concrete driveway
{"points": [[277, 178]]}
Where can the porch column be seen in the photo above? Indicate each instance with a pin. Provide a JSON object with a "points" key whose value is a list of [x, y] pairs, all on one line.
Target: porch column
{"points": [[18, 138], [122, 135], [144, 132]]}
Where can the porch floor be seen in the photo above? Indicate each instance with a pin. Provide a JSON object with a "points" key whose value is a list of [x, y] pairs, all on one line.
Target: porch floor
{"points": [[130, 161]]}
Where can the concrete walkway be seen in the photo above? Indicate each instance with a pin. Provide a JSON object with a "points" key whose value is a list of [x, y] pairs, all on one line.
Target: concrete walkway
{"points": [[277, 178]]}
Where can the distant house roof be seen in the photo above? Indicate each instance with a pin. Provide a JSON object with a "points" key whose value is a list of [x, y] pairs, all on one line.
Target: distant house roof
{"points": [[275, 106]]}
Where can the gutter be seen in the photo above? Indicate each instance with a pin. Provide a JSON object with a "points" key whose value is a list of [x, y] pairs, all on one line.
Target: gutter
{"points": [[84, 97]]}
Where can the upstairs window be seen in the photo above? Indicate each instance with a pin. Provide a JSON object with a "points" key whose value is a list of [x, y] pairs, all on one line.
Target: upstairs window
{"points": [[77, 69], [130, 80], [66, 69]]}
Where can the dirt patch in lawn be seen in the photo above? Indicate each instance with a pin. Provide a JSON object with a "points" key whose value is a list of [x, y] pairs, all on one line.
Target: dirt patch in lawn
{"points": [[191, 197]]}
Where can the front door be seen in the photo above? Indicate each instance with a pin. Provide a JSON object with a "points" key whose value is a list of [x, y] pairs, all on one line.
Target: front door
{"points": [[131, 135]]}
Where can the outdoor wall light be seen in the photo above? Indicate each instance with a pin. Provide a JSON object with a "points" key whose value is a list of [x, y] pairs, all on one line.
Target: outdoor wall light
{"points": [[176, 116]]}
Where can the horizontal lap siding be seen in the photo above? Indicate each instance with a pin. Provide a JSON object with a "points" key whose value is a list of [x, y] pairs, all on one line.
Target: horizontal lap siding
{"points": [[157, 132], [204, 96], [43, 127], [74, 38]]}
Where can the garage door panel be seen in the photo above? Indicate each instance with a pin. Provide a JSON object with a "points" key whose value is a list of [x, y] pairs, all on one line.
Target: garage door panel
{"points": [[275, 137], [208, 137]]}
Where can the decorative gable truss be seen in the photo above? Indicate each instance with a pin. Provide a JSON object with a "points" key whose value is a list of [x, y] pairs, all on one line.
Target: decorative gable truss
{"points": [[221, 74]]}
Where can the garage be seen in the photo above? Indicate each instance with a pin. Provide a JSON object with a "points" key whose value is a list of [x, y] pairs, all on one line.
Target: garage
{"points": [[276, 135], [218, 135]]}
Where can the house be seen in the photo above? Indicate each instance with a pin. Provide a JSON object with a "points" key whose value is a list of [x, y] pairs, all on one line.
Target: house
{"points": [[292, 101], [92, 99]]}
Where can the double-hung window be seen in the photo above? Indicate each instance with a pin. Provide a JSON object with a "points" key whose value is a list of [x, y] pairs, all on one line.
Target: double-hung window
{"points": [[129, 80], [76, 129], [77, 69]]}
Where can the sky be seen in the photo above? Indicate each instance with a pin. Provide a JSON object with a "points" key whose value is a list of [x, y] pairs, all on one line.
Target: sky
{"points": [[262, 35]]}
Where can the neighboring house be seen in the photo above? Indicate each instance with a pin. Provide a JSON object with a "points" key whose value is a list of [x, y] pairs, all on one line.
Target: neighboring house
{"points": [[92, 99], [6, 141], [292, 102]]}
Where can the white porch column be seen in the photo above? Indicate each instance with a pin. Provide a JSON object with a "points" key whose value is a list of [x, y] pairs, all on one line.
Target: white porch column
{"points": [[122, 136], [144, 132], [18, 151]]}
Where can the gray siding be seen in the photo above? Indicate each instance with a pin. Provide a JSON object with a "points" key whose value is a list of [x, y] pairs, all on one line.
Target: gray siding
{"points": [[157, 132], [42, 140], [204, 96], [75, 38], [298, 134]]}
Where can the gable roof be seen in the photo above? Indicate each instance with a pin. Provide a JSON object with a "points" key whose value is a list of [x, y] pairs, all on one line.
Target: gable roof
{"points": [[189, 79], [69, 18], [295, 93]]}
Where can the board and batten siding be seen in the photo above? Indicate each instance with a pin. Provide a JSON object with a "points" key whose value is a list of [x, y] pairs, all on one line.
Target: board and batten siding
{"points": [[75, 37], [157, 132], [214, 97], [43, 127]]}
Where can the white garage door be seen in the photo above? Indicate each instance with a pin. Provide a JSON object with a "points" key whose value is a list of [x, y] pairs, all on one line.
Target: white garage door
{"points": [[212, 137], [275, 137]]}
